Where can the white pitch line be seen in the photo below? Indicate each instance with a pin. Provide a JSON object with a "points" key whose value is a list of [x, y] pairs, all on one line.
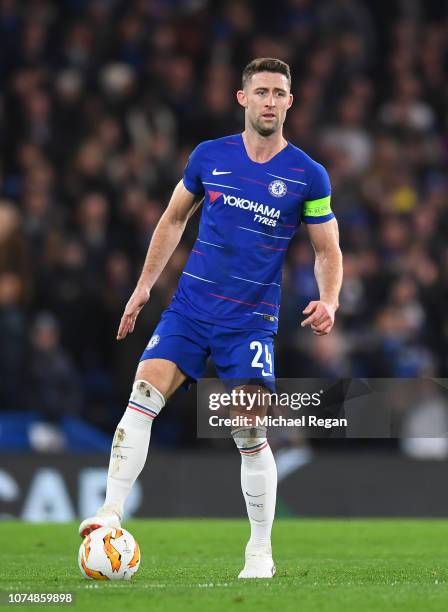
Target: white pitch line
{"points": [[124, 585]]}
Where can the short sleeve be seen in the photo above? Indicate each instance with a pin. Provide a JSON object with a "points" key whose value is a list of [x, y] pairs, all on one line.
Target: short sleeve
{"points": [[192, 172], [317, 206]]}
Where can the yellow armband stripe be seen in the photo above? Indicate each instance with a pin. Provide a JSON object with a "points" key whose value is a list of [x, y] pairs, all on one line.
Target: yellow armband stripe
{"points": [[317, 208]]}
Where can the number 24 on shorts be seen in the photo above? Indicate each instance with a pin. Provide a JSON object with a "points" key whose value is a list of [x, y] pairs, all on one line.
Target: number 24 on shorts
{"points": [[256, 363]]}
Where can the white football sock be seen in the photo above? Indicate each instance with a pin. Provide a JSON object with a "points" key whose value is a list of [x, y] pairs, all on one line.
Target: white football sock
{"points": [[259, 485], [131, 442]]}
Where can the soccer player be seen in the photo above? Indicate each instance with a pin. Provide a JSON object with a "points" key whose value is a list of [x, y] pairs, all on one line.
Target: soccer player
{"points": [[257, 188]]}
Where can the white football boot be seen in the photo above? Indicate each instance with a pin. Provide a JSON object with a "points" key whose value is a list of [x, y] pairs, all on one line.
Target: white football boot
{"points": [[259, 562], [107, 516]]}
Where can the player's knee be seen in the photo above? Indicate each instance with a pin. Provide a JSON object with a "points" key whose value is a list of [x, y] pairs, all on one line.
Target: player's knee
{"points": [[250, 440], [146, 397]]}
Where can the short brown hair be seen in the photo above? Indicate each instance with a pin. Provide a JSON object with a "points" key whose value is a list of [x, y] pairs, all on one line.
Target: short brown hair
{"points": [[266, 64]]}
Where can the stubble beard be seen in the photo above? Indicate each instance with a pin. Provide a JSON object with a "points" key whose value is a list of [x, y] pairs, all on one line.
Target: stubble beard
{"points": [[265, 131]]}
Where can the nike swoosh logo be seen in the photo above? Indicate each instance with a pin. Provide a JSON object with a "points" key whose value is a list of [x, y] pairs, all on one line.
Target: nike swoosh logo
{"points": [[249, 495], [217, 172]]}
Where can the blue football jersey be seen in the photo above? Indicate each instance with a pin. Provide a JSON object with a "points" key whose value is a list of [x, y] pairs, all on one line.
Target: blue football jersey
{"points": [[250, 213]]}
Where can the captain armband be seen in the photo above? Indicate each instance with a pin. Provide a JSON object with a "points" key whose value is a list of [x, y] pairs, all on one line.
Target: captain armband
{"points": [[317, 208]]}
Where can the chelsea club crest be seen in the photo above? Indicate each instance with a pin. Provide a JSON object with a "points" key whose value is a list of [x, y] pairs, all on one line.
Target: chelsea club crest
{"points": [[277, 189], [153, 342]]}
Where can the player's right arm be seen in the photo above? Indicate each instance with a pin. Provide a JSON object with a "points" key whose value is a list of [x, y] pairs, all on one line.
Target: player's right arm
{"points": [[164, 240]]}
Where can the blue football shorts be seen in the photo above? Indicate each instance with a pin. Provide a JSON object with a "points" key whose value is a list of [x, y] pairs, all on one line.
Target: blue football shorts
{"points": [[241, 356]]}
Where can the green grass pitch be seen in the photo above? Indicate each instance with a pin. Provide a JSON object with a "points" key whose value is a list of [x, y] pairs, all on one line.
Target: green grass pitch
{"points": [[192, 565]]}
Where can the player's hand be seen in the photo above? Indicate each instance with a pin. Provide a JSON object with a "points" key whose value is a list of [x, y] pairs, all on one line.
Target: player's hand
{"points": [[136, 302], [321, 317]]}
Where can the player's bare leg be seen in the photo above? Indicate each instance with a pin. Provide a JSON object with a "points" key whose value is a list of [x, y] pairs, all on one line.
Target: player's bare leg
{"points": [[155, 381], [259, 487]]}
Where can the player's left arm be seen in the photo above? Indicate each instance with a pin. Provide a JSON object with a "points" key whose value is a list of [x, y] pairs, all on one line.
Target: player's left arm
{"points": [[328, 271]]}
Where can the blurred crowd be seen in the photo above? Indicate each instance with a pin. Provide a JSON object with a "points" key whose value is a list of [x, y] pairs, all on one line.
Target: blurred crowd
{"points": [[101, 102]]}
